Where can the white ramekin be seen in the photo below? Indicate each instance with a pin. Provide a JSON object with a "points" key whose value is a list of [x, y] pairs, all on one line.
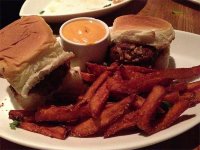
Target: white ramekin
{"points": [[95, 52]]}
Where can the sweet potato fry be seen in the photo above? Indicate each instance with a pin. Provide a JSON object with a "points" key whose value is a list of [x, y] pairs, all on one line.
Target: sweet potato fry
{"points": [[86, 128], [139, 101], [123, 73], [133, 75], [95, 68], [127, 121], [193, 97], [152, 79], [117, 75], [116, 111], [98, 100], [51, 131], [108, 116], [98, 69], [139, 69], [193, 86], [22, 115], [172, 97], [130, 119], [147, 85], [137, 85], [93, 88], [178, 73], [197, 97], [62, 113], [87, 77], [118, 88], [146, 113], [129, 74], [181, 87], [171, 116], [149, 108], [109, 104]]}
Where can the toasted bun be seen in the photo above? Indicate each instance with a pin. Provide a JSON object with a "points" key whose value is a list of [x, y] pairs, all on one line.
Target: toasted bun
{"points": [[146, 30], [28, 52]]}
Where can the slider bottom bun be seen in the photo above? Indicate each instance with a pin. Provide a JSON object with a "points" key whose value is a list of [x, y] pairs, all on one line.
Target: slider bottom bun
{"points": [[71, 88], [32, 102], [51, 82], [162, 61], [44, 90], [68, 91]]}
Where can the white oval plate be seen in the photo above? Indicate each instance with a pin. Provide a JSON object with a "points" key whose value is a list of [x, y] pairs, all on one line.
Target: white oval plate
{"points": [[185, 51], [34, 7]]}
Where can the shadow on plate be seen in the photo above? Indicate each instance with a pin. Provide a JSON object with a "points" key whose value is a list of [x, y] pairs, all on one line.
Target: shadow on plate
{"points": [[183, 118], [179, 120]]}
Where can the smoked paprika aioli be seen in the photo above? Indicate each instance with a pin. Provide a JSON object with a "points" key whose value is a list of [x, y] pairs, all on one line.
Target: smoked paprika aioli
{"points": [[84, 31]]}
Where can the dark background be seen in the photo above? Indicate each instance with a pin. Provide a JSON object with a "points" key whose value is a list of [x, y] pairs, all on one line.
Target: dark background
{"points": [[9, 11]]}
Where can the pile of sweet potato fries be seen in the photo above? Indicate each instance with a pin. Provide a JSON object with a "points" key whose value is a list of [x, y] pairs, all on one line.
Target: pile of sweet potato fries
{"points": [[120, 97]]}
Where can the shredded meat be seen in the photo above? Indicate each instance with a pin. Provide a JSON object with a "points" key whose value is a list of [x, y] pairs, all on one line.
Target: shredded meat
{"points": [[128, 53]]}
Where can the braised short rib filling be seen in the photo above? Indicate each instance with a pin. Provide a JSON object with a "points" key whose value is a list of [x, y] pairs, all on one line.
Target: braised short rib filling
{"points": [[129, 53], [51, 81]]}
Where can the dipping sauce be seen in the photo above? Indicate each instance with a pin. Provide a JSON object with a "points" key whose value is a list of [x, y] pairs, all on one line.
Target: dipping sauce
{"points": [[84, 31], [88, 38]]}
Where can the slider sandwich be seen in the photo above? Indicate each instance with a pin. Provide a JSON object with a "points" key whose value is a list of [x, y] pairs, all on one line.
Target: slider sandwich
{"points": [[32, 60], [141, 40]]}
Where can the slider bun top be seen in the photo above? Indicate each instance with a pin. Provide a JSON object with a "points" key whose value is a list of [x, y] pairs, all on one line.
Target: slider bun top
{"points": [[28, 52], [146, 30]]}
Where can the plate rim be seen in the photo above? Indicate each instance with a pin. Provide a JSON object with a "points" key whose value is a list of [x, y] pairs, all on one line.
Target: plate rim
{"points": [[148, 143], [195, 1], [21, 13]]}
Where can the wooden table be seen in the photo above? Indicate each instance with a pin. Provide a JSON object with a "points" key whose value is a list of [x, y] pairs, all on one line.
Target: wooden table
{"points": [[183, 15]]}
